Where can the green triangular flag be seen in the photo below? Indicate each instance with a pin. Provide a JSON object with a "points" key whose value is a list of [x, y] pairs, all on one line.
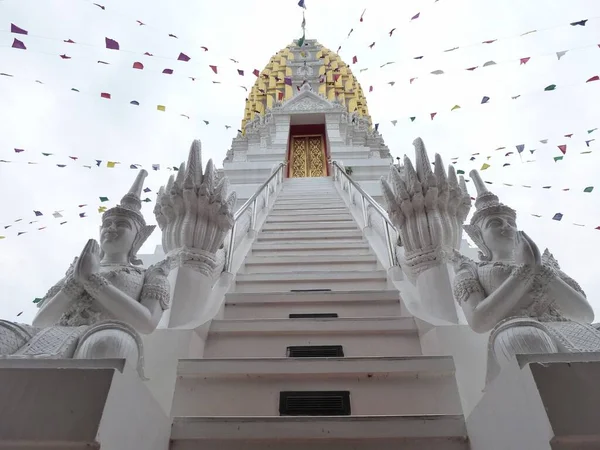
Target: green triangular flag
{"points": [[37, 300], [146, 200], [532, 151], [550, 87], [301, 40], [589, 189], [103, 199], [460, 172], [412, 119], [592, 130], [558, 158], [46, 154], [455, 107]]}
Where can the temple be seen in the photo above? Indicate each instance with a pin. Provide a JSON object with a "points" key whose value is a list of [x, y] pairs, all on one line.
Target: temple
{"points": [[311, 294]]}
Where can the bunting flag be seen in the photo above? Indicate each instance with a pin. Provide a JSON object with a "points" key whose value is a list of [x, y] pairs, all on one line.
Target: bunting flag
{"points": [[111, 44], [17, 30]]}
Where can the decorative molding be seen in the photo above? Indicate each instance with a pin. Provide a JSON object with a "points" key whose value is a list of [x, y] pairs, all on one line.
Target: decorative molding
{"points": [[307, 101]]}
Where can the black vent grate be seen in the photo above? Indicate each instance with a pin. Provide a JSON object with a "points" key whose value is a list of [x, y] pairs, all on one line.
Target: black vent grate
{"points": [[315, 351], [314, 403], [313, 315]]}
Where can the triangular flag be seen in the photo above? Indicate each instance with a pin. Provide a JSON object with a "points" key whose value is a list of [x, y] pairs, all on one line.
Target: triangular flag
{"points": [[485, 99], [546, 187], [592, 130], [111, 44], [111, 164], [38, 213], [588, 142], [563, 148], [370, 88], [455, 107], [19, 150], [580, 23], [544, 141], [105, 95], [82, 215], [484, 166], [354, 59], [506, 164], [525, 60], [561, 54], [520, 148], [138, 65], [134, 102], [56, 214], [168, 71], [394, 122], [17, 30], [256, 72], [102, 209], [302, 39], [594, 78], [472, 68], [437, 72], [301, 4], [18, 44], [183, 57], [569, 135], [147, 189], [432, 115], [412, 119], [489, 63], [161, 107], [155, 166], [589, 189], [550, 87], [557, 216], [103, 199], [558, 158], [460, 172], [416, 16], [214, 68], [240, 72]]}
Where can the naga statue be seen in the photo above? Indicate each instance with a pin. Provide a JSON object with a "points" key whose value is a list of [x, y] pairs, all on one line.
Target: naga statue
{"points": [[523, 298], [104, 301]]}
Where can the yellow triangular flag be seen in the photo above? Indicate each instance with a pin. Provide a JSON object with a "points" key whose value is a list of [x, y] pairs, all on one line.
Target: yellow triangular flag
{"points": [[455, 107], [111, 164], [101, 209], [485, 166], [2, 237], [161, 107]]}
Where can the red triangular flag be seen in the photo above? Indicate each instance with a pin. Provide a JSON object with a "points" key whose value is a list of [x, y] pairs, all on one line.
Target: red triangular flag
{"points": [[280, 96], [105, 95], [168, 71], [256, 72], [63, 56], [563, 149], [214, 68], [336, 76], [148, 54], [138, 65], [489, 42], [17, 30], [525, 60], [69, 41], [432, 115], [18, 44], [594, 78], [204, 48], [569, 135], [183, 57], [111, 44], [354, 59]]}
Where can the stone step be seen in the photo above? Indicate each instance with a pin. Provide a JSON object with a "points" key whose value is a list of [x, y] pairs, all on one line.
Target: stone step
{"points": [[311, 206], [316, 236], [273, 264], [314, 218], [380, 432], [276, 305], [302, 226], [310, 212], [289, 248], [386, 386], [304, 195], [270, 338], [287, 282]]}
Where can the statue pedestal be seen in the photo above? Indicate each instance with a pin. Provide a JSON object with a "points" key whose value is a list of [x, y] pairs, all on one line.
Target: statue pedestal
{"points": [[540, 402], [78, 404]]}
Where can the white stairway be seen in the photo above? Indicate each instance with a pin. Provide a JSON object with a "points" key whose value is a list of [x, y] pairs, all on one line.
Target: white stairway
{"points": [[370, 386]]}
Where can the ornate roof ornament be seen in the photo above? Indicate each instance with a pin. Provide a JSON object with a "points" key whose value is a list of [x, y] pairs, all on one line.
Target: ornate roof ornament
{"points": [[130, 207], [487, 203]]}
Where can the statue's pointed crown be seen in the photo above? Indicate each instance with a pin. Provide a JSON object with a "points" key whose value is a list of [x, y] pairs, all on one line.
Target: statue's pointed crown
{"points": [[487, 203], [131, 203]]}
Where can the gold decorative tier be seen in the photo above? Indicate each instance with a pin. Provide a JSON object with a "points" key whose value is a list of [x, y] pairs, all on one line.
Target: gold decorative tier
{"points": [[336, 81]]}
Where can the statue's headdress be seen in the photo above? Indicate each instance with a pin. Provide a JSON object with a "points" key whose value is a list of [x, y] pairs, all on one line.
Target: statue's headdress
{"points": [[486, 204], [130, 207]]}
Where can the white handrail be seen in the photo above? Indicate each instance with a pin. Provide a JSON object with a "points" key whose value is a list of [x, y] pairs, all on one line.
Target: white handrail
{"points": [[252, 201], [366, 198]]}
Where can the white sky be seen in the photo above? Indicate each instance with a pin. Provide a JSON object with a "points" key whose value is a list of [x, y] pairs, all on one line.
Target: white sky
{"points": [[51, 118]]}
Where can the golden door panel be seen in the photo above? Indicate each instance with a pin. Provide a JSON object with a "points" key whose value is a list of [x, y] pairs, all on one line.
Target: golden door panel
{"points": [[307, 157]]}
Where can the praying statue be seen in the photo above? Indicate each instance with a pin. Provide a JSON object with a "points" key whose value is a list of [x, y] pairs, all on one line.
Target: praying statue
{"points": [[526, 302], [104, 301]]}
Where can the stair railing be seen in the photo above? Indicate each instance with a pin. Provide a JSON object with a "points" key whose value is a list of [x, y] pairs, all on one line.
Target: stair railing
{"points": [[339, 174], [264, 191]]}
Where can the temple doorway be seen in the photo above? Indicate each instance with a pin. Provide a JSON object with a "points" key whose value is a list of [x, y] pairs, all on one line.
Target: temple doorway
{"points": [[307, 152]]}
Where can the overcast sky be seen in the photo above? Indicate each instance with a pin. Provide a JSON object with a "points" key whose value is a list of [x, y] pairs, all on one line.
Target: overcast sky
{"points": [[51, 118]]}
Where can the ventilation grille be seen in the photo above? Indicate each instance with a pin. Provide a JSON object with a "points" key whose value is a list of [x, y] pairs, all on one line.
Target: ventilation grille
{"points": [[314, 403], [313, 315], [315, 351]]}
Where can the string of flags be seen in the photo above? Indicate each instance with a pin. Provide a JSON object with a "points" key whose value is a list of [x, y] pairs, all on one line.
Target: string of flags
{"points": [[490, 63], [390, 33], [113, 44], [62, 216], [487, 99], [110, 96]]}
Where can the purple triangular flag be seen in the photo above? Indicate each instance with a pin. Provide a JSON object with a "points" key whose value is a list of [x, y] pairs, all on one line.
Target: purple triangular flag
{"points": [[111, 44], [18, 44], [183, 57], [17, 30]]}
